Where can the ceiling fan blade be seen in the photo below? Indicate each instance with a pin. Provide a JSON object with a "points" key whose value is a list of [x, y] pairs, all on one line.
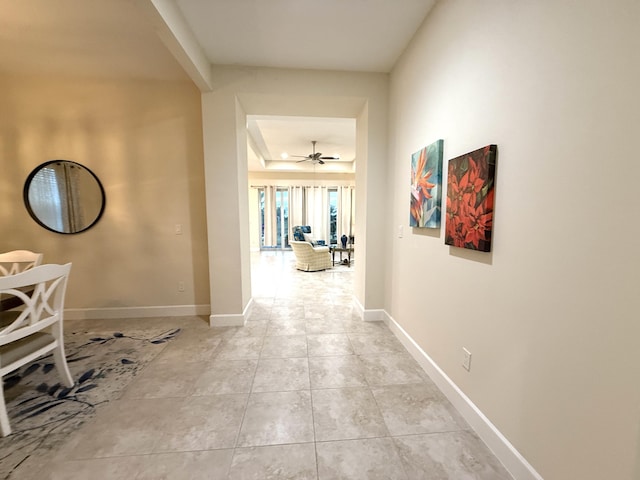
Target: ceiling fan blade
{"points": [[315, 157]]}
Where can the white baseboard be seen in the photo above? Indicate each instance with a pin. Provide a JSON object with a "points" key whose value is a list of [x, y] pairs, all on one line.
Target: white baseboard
{"points": [[231, 319], [512, 460], [368, 315], [136, 312]]}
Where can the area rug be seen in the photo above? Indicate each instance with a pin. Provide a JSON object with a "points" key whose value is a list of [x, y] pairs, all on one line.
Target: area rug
{"points": [[43, 412]]}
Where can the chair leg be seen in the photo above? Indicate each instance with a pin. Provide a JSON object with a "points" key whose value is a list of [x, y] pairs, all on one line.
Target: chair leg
{"points": [[59, 357], [5, 428], [61, 365]]}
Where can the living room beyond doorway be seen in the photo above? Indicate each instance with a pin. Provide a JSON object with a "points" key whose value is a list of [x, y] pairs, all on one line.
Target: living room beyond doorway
{"points": [[273, 274]]}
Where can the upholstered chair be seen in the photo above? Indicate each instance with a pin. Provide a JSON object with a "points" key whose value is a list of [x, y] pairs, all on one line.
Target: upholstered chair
{"points": [[310, 258]]}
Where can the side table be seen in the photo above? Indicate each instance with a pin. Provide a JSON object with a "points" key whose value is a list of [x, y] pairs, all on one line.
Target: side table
{"points": [[335, 248]]}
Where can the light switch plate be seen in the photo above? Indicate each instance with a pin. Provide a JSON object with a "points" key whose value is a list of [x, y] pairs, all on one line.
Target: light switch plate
{"points": [[466, 360]]}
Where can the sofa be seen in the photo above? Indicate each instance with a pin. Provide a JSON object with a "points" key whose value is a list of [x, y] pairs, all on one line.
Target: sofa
{"points": [[311, 258]]}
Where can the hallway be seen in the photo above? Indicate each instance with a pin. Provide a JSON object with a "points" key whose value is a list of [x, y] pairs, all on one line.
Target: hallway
{"points": [[305, 390]]}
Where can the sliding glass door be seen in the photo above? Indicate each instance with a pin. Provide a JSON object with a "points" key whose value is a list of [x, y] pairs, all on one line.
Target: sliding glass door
{"points": [[333, 215], [329, 211], [282, 217], [274, 217]]}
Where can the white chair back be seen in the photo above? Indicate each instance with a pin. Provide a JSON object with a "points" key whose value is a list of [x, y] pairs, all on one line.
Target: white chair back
{"points": [[35, 328], [18, 261], [41, 290]]}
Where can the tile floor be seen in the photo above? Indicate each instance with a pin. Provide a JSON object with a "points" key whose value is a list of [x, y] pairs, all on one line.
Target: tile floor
{"points": [[306, 390]]}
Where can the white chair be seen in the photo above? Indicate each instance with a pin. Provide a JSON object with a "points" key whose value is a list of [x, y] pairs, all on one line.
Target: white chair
{"points": [[36, 329], [310, 258], [18, 261]]}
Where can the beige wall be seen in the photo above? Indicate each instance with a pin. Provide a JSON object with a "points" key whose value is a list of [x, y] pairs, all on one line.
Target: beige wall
{"points": [[143, 139], [550, 315]]}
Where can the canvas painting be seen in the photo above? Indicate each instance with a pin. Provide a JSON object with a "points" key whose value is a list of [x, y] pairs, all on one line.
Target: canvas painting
{"points": [[426, 186], [470, 192]]}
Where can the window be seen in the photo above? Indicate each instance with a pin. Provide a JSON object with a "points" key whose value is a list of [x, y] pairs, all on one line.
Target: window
{"points": [[328, 210], [333, 215], [282, 217], [274, 217]]}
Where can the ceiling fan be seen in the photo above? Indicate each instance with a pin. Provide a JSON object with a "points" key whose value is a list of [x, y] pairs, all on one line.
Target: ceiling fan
{"points": [[315, 157]]}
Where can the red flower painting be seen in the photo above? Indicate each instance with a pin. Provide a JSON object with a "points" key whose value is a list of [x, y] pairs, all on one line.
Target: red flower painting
{"points": [[470, 192]]}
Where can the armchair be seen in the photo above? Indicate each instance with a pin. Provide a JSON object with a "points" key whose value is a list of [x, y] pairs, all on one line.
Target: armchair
{"points": [[310, 258]]}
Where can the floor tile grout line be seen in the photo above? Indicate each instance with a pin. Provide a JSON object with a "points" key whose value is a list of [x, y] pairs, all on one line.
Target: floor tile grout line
{"points": [[246, 406]]}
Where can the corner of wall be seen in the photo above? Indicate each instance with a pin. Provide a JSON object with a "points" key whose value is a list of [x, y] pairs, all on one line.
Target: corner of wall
{"points": [[371, 315], [231, 320]]}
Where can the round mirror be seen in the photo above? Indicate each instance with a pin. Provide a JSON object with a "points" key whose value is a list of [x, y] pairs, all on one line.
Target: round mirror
{"points": [[64, 196]]}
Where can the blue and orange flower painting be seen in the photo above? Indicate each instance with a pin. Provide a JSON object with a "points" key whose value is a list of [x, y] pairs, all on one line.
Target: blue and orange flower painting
{"points": [[470, 187], [426, 186]]}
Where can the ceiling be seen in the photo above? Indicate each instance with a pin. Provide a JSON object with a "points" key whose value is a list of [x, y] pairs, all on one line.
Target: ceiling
{"points": [[272, 137], [352, 35], [121, 39]]}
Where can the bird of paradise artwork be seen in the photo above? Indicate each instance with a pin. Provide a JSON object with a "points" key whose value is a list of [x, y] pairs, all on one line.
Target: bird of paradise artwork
{"points": [[470, 194], [426, 186]]}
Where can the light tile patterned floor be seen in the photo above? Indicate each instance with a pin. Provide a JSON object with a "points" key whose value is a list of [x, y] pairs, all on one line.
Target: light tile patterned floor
{"points": [[306, 390]]}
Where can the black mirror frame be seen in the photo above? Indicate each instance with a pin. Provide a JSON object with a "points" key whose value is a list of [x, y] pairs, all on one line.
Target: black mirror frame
{"points": [[34, 172]]}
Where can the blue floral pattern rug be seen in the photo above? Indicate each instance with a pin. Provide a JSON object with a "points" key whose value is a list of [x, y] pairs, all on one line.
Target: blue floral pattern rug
{"points": [[43, 411]]}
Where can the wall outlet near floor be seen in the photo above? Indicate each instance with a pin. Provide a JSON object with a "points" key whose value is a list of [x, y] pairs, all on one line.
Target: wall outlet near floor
{"points": [[466, 359], [181, 286]]}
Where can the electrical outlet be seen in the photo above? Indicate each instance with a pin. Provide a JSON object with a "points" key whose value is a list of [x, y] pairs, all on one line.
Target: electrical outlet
{"points": [[466, 359], [181, 286]]}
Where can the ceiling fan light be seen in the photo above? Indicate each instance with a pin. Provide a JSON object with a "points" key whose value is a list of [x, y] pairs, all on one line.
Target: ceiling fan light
{"points": [[284, 155]]}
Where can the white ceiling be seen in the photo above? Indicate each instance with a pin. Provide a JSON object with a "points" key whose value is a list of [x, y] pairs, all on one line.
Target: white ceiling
{"points": [[272, 136], [352, 35], [120, 39]]}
